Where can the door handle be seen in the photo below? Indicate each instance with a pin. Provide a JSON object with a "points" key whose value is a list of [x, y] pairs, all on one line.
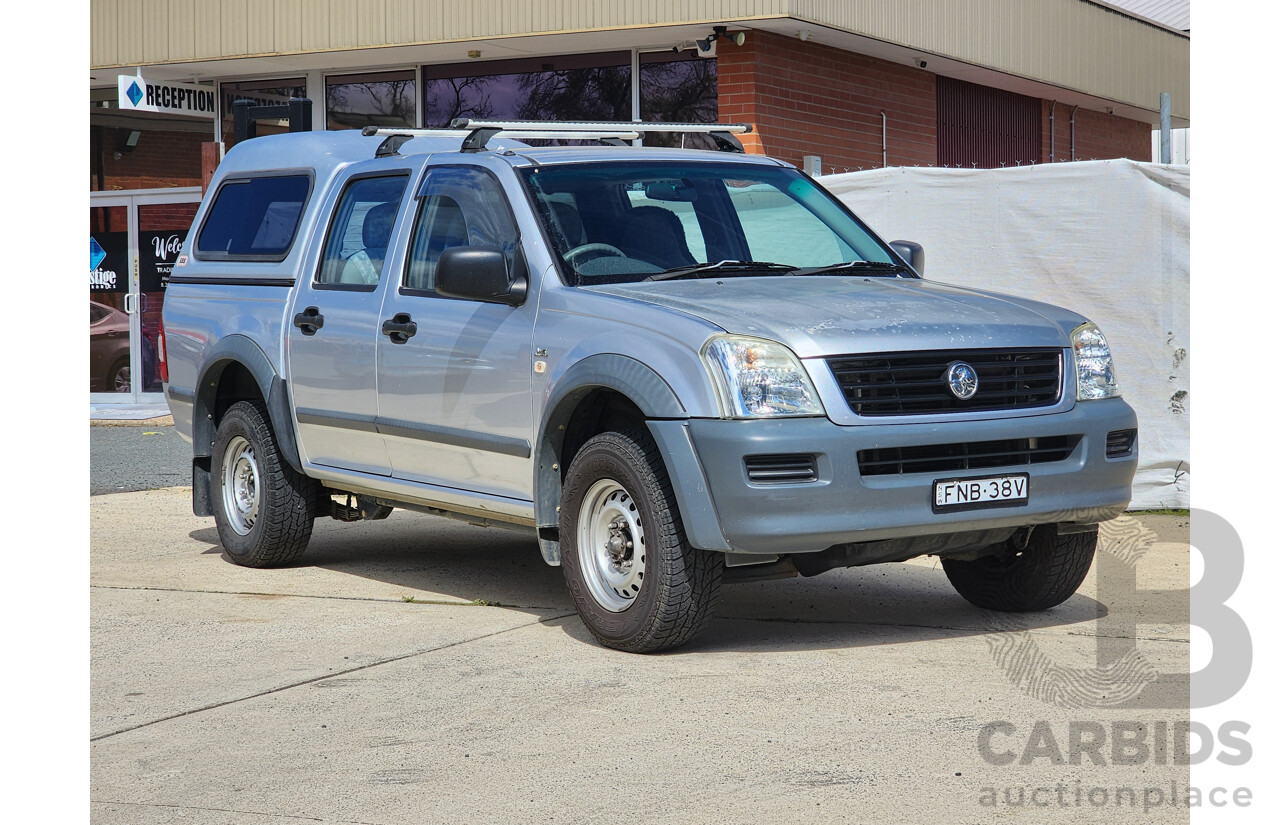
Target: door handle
{"points": [[399, 328], [309, 320]]}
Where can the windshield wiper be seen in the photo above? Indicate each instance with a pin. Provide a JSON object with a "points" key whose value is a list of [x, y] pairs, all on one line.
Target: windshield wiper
{"points": [[861, 267], [721, 266]]}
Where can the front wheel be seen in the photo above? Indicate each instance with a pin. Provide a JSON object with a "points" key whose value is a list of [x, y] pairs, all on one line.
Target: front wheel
{"points": [[263, 508], [637, 583], [1042, 575]]}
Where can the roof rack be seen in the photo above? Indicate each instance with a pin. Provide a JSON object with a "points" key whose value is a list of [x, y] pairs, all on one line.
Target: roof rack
{"points": [[477, 133], [483, 130]]}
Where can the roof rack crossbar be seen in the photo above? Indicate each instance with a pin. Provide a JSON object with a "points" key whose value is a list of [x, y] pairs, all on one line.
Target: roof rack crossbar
{"points": [[478, 139], [476, 134], [599, 126]]}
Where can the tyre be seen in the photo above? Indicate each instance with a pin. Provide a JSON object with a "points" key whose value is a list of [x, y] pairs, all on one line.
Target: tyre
{"points": [[263, 508], [636, 582], [1042, 575], [118, 377]]}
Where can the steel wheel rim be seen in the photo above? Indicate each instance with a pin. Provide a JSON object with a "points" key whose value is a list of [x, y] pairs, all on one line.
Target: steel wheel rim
{"points": [[241, 490], [611, 549]]}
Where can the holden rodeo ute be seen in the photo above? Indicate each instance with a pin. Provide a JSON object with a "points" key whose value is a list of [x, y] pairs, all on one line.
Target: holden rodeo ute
{"points": [[674, 367]]}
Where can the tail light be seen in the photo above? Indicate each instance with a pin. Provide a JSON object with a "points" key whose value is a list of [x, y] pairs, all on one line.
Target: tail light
{"points": [[162, 363]]}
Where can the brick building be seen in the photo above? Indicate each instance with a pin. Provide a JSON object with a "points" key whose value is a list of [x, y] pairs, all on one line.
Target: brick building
{"points": [[857, 84]]}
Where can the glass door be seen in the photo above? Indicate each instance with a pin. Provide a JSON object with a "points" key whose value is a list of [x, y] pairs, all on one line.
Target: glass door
{"points": [[110, 327], [134, 240], [162, 229]]}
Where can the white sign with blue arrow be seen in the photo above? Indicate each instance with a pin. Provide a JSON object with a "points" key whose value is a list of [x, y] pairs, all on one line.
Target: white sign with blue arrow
{"points": [[138, 94]]}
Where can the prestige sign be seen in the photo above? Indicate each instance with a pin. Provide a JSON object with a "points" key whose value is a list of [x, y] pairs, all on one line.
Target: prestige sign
{"points": [[138, 94]]}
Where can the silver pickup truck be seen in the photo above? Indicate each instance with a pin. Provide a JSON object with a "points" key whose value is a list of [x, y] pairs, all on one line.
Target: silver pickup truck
{"points": [[674, 367]]}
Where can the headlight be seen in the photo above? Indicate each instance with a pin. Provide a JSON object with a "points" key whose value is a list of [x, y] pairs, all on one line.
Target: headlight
{"points": [[755, 378], [1095, 371]]}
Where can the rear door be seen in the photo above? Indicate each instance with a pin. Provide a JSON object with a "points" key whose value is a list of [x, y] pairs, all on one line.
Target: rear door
{"points": [[453, 397], [333, 332]]}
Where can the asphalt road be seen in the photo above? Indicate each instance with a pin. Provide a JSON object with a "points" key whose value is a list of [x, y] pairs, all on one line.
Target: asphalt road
{"points": [[128, 458], [419, 669]]}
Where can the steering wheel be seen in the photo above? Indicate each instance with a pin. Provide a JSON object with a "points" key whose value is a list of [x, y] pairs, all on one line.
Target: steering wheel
{"points": [[592, 247]]}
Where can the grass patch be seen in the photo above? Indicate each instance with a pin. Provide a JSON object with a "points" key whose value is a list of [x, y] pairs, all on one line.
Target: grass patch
{"points": [[1159, 512]]}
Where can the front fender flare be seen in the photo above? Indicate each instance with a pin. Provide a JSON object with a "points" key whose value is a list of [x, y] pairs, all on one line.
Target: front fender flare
{"points": [[658, 403]]}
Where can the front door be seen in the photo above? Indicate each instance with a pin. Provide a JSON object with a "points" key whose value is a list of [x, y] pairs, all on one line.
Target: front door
{"points": [[333, 333], [453, 397]]}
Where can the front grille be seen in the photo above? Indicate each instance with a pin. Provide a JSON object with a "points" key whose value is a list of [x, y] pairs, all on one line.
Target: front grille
{"points": [[974, 455], [781, 469], [1120, 442], [914, 383]]}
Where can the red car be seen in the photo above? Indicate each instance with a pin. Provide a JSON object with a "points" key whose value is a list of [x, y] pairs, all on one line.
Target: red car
{"points": [[109, 352]]}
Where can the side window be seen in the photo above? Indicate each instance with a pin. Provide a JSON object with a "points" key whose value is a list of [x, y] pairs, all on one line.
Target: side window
{"points": [[459, 206], [356, 247], [254, 219]]}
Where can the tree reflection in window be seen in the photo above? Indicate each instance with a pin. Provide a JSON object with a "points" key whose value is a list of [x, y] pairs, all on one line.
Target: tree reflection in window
{"points": [[376, 99], [678, 88], [673, 86]]}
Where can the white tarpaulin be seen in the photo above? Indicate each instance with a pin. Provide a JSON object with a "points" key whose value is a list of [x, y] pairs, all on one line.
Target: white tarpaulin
{"points": [[1108, 239]]}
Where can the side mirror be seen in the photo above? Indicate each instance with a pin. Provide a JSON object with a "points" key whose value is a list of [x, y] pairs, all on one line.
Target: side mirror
{"points": [[912, 253], [479, 273]]}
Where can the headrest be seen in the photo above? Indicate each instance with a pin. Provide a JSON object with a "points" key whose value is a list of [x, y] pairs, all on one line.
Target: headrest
{"points": [[378, 221], [570, 223]]}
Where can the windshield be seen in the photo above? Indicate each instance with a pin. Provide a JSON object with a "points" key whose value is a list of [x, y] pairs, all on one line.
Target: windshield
{"points": [[619, 222]]}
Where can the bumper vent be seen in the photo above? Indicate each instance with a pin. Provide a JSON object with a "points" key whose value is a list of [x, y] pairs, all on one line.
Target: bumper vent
{"points": [[977, 455], [781, 469], [1120, 443], [914, 383]]}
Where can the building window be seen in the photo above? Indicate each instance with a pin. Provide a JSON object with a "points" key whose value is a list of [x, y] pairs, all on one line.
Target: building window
{"points": [[674, 86], [386, 99], [678, 87], [262, 93], [570, 87]]}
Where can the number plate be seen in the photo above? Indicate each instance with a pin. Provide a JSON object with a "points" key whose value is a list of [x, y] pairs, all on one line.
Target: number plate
{"points": [[951, 494]]}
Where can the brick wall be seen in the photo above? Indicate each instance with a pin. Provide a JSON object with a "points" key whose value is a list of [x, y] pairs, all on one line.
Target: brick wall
{"points": [[809, 99], [1099, 136], [160, 160]]}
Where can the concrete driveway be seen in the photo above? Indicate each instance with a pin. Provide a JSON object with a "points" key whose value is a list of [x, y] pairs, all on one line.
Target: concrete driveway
{"points": [[320, 692]]}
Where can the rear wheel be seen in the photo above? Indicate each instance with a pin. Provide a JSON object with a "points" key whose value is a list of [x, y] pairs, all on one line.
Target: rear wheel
{"points": [[637, 583], [1042, 575], [263, 508], [118, 377]]}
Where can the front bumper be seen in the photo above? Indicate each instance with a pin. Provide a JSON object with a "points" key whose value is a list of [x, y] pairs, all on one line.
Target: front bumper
{"points": [[724, 510]]}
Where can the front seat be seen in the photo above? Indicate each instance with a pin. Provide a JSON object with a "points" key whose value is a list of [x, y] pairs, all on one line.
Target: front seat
{"points": [[365, 266], [654, 234]]}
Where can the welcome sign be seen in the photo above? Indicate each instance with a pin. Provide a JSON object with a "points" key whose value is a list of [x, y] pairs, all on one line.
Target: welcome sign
{"points": [[138, 94]]}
